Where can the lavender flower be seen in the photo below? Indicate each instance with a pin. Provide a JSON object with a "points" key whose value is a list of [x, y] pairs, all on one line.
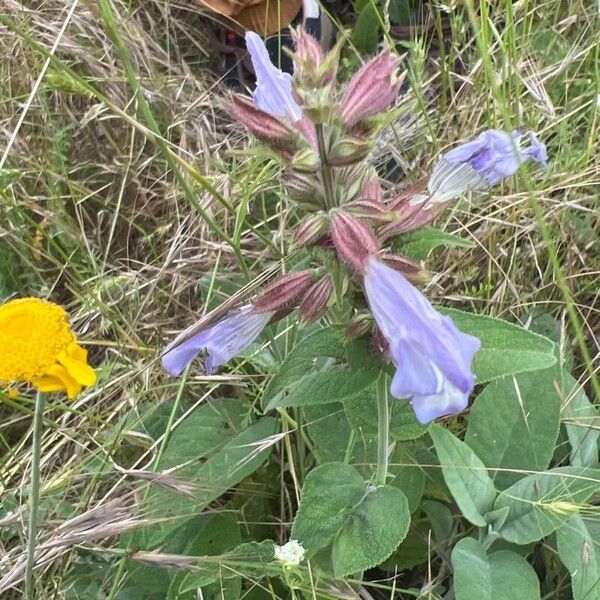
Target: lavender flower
{"points": [[483, 162], [273, 92], [432, 357], [222, 341]]}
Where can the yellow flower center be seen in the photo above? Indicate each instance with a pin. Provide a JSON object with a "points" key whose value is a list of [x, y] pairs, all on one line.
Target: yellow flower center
{"points": [[37, 346]]}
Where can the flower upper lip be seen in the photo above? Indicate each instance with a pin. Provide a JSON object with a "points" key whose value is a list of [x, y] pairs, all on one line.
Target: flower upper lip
{"points": [[273, 92]]}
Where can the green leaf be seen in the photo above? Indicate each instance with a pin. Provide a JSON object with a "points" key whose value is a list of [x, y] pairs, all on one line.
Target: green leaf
{"points": [[441, 520], [249, 559], [223, 469], [513, 577], [328, 496], [506, 349], [472, 576], [501, 575], [540, 503], [578, 542], [582, 423], [220, 533], [409, 475], [208, 428], [413, 551], [465, 475], [333, 383], [317, 371], [418, 244], [333, 438], [373, 531], [361, 412], [367, 29], [514, 424], [361, 524], [400, 12]]}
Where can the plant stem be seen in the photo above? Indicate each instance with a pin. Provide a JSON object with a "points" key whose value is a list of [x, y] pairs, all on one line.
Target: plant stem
{"points": [[34, 494], [383, 429], [325, 169]]}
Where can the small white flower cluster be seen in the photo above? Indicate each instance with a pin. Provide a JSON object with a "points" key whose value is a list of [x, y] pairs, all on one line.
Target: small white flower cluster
{"points": [[290, 554]]}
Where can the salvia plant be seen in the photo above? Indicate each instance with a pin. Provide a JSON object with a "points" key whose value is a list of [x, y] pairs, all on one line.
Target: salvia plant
{"points": [[373, 365]]}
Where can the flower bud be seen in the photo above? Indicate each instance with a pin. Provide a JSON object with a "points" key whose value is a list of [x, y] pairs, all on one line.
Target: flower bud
{"points": [[283, 293], [373, 88], [311, 229], [409, 268], [359, 327], [305, 161], [302, 190], [308, 130], [371, 188], [348, 151], [312, 68], [410, 197], [314, 302], [369, 209], [410, 218], [265, 127], [308, 54], [353, 241], [380, 343]]}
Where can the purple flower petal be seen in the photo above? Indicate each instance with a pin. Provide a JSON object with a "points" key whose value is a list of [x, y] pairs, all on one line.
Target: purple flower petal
{"points": [[432, 357], [483, 162], [273, 92], [449, 401], [221, 341]]}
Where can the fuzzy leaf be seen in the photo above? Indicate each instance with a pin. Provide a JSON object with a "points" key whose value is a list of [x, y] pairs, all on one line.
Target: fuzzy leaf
{"points": [[582, 423], [540, 503], [501, 575], [359, 525], [506, 349], [514, 423], [317, 371], [465, 475], [418, 244], [578, 542]]}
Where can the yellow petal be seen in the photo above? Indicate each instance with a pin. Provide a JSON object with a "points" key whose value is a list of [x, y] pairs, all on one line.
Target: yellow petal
{"points": [[71, 385], [48, 383], [76, 352], [79, 370]]}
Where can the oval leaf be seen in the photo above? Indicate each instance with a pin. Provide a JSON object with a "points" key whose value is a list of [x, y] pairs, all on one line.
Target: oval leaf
{"points": [[514, 423], [465, 475], [506, 349]]}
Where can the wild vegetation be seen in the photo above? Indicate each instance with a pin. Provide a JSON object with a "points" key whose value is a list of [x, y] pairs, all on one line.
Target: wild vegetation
{"points": [[132, 197]]}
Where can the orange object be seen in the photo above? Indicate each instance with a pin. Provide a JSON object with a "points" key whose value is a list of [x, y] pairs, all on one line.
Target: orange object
{"points": [[266, 17]]}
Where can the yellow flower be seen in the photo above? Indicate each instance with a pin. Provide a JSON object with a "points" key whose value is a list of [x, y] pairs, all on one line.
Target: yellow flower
{"points": [[37, 346]]}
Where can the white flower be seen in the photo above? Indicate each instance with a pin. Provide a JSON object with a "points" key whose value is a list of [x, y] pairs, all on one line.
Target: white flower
{"points": [[290, 554]]}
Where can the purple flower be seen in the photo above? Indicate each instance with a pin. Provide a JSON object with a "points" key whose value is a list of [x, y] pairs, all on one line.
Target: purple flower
{"points": [[273, 92], [483, 162], [432, 357], [222, 341]]}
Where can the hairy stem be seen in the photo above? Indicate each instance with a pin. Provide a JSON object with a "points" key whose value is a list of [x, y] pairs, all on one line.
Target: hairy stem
{"points": [[326, 173], [383, 429], [34, 495]]}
